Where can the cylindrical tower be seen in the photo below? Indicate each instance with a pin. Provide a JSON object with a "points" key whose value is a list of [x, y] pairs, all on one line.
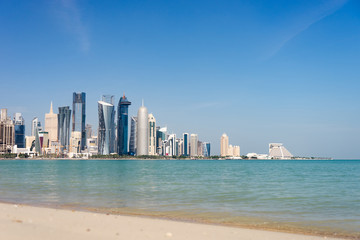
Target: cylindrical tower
{"points": [[142, 132]]}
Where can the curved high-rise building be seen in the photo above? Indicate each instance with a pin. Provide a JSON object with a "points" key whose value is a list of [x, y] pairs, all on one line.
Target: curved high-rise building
{"points": [[64, 126], [132, 141], [106, 127], [123, 126], [142, 137]]}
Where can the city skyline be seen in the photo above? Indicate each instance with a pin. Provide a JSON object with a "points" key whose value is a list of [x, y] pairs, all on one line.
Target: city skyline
{"points": [[284, 74]]}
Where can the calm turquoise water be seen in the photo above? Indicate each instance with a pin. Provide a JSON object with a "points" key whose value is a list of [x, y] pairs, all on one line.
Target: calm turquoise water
{"points": [[311, 194]]}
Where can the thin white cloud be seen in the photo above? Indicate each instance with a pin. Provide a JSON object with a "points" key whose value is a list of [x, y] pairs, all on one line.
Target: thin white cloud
{"points": [[306, 20], [70, 17]]}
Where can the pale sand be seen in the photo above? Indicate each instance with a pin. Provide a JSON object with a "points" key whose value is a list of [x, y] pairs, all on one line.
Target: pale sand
{"points": [[26, 222]]}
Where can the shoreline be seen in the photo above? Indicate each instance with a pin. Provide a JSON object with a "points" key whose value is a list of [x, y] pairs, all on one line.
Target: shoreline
{"points": [[176, 159], [20, 221], [267, 227]]}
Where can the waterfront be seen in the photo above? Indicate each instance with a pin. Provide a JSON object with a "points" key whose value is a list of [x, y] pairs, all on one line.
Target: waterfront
{"points": [[306, 196]]}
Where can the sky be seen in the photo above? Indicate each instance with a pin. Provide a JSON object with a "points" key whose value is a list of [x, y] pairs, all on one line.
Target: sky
{"points": [[260, 71]]}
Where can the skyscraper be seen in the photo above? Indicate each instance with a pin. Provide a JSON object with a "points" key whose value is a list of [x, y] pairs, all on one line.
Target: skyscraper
{"points": [[123, 126], [224, 145], [161, 135], [152, 134], [37, 140], [236, 151], [200, 148], [111, 100], [35, 124], [78, 116], [19, 130], [230, 151], [206, 149], [186, 144], [106, 128], [64, 126], [51, 124], [75, 142], [142, 138], [7, 132], [170, 145], [132, 142], [194, 145], [88, 130]]}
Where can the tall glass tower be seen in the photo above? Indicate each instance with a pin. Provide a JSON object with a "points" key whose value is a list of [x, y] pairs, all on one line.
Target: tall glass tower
{"points": [[78, 116], [132, 142], [19, 130], [186, 144], [106, 128], [122, 126], [35, 124], [64, 126]]}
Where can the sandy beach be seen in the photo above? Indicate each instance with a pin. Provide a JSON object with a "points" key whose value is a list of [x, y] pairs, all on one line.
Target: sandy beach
{"points": [[28, 222]]}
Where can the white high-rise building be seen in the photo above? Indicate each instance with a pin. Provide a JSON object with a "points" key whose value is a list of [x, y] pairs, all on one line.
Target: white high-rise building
{"points": [[152, 134], [75, 142], [35, 125], [171, 145], [142, 138], [51, 125], [194, 145], [230, 151], [236, 151], [224, 145]]}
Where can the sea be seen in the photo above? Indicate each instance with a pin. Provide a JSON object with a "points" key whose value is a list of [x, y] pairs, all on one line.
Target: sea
{"points": [[318, 197]]}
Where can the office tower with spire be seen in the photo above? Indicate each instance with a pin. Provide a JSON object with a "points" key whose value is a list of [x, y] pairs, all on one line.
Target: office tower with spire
{"points": [[132, 141], [152, 134], [194, 145], [123, 126], [106, 128], [51, 125], [79, 116], [19, 130], [142, 138], [224, 145], [64, 127]]}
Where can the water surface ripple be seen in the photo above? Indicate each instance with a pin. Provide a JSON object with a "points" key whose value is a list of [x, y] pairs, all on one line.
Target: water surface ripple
{"points": [[322, 195]]}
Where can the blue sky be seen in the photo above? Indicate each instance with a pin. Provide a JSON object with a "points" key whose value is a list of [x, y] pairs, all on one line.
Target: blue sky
{"points": [[261, 71]]}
